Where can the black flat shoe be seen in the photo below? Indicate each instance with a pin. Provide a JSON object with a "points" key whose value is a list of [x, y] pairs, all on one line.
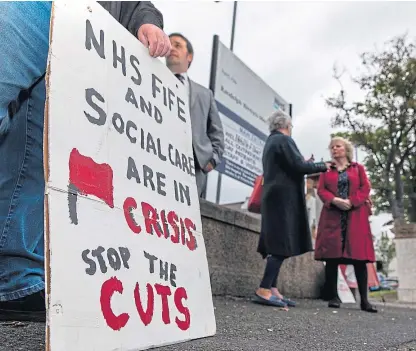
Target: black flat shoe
{"points": [[368, 308], [334, 303], [31, 308]]}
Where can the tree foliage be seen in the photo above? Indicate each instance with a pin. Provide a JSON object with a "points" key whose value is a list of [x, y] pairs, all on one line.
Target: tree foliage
{"points": [[383, 124]]}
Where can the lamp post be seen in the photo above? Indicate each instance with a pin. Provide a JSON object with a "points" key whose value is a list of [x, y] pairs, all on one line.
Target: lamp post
{"points": [[233, 25]]}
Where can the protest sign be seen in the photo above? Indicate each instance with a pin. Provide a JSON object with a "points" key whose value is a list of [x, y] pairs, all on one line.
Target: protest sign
{"points": [[126, 263]]}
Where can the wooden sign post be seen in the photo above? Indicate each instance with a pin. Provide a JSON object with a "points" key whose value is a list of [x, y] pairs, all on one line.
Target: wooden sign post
{"points": [[126, 263]]}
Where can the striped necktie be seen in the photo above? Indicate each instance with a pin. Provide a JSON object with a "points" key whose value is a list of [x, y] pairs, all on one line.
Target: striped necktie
{"points": [[180, 77]]}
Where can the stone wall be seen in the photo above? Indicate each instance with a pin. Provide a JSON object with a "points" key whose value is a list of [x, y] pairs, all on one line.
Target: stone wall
{"points": [[406, 261], [236, 268]]}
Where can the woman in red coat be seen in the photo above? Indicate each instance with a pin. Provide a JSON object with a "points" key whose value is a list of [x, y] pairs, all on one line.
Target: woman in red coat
{"points": [[344, 234]]}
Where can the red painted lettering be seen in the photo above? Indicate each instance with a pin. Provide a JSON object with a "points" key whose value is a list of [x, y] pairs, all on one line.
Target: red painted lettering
{"points": [[190, 227], [164, 292], [108, 288], [128, 205], [150, 219], [180, 294], [164, 223], [173, 221], [145, 316]]}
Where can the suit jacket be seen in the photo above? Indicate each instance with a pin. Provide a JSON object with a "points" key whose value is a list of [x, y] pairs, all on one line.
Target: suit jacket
{"points": [[132, 14], [207, 130]]}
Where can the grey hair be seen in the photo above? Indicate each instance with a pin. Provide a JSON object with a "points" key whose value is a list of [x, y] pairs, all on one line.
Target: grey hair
{"points": [[279, 120]]}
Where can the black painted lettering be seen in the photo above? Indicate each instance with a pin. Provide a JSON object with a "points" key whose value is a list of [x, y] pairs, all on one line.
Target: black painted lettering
{"points": [[175, 187], [151, 144], [131, 98], [185, 164], [165, 99], [160, 183], [132, 171], [158, 115], [135, 63], [164, 274], [172, 275], [152, 260], [131, 125], [170, 149], [121, 59], [98, 253], [184, 192], [142, 138], [191, 166], [171, 95], [155, 87], [178, 159], [181, 111], [93, 267], [102, 117], [114, 259], [125, 256], [118, 123], [146, 107], [91, 38], [159, 151], [147, 177]]}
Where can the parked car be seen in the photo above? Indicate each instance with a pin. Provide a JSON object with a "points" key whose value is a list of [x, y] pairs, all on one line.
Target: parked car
{"points": [[386, 283]]}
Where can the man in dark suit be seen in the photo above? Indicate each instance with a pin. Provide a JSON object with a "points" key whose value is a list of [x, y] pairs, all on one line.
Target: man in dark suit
{"points": [[207, 131]]}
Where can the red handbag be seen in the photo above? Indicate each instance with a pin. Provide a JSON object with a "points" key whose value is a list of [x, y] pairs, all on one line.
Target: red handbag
{"points": [[254, 202]]}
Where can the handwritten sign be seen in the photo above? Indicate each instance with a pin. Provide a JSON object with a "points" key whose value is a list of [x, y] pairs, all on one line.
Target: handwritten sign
{"points": [[126, 261]]}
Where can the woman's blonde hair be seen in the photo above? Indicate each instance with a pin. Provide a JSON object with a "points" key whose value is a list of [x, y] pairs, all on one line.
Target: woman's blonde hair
{"points": [[349, 149]]}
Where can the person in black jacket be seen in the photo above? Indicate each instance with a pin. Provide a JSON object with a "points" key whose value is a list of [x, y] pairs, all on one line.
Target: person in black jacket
{"points": [[284, 223], [144, 21], [24, 44]]}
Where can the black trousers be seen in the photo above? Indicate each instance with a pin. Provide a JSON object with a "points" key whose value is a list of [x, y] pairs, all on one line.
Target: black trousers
{"points": [[271, 272], [361, 273]]}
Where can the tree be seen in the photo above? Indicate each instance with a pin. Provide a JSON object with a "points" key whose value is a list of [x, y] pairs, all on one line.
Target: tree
{"points": [[386, 251], [383, 124]]}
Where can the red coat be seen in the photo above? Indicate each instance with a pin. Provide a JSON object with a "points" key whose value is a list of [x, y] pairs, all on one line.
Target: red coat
{"points": [[359, 241]]}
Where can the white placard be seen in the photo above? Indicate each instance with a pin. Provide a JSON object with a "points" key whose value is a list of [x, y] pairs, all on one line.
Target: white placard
{"points": [[126, 260], [344, 292]]}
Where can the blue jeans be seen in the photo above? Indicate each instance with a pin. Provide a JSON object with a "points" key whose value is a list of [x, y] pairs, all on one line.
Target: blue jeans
{"points": [[24, 42]]}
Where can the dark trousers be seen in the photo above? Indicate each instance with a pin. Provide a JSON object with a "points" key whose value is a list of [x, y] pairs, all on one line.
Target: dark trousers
{"points": [[361, 273], [271, 272]]}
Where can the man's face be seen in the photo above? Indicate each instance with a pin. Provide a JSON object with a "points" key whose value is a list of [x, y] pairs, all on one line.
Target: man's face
{"points": [[179, 57]]}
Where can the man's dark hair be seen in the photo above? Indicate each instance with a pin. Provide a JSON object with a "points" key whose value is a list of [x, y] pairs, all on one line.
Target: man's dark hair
{"points": [[189, 46]]}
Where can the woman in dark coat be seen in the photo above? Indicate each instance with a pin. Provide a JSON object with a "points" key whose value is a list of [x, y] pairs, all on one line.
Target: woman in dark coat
{"points": [[284, 224], [344, 233]]}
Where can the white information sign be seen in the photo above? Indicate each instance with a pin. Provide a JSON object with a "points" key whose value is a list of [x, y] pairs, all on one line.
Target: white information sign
{"points": [[245, 102], [126, 261]]}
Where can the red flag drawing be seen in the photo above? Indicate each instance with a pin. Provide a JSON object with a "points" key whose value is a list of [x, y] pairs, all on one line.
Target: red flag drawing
{"points": [[88, 178]]}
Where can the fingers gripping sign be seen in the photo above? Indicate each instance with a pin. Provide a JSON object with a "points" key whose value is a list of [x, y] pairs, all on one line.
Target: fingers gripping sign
{"points": [[155, 39]]}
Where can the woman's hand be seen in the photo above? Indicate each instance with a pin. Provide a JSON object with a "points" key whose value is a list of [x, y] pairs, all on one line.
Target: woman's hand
{"points": [[342, 204]]}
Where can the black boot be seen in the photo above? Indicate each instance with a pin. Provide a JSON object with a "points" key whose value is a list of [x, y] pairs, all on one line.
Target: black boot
{"points": [[331, 270], [361, 274], [30, 308]]}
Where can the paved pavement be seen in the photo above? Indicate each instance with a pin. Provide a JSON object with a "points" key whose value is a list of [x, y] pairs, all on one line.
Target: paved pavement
{"points": [[243, 326]]}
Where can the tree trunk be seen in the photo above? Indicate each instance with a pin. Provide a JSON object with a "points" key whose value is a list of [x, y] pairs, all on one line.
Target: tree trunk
{"points": [[399, 193], [412, 207]]}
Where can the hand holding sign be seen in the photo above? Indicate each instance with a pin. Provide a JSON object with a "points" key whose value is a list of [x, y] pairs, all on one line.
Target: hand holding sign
{"points": [[155, 39]]}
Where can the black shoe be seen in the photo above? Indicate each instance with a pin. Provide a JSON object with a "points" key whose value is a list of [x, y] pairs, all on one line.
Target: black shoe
{"points": [[334, 303], [30, 308], [367, 307]]}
